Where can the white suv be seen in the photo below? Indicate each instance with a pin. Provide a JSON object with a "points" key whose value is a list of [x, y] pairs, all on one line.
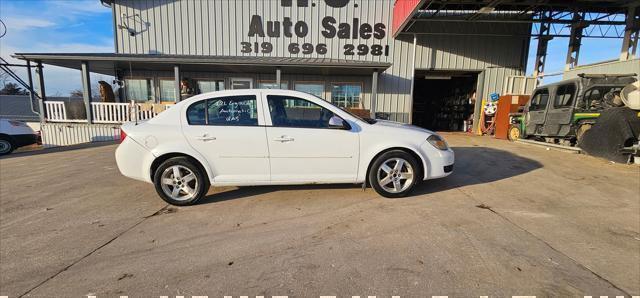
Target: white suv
{"points": [[275, 137]]}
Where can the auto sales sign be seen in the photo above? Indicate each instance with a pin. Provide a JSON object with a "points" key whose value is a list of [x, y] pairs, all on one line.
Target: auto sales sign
{"points": [[331, 28]]}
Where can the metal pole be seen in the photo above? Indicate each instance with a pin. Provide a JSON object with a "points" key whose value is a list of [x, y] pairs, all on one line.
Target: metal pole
{"points": [[32, 96], [374, 93], [41, 92], [278, 75], [543, 41], [575, 41], [86, 90], [176, 75], [413, 77], [631, 32]]}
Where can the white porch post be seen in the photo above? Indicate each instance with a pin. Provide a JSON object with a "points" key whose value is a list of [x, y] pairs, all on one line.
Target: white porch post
{"points": [[176, 75], [86, 90], [374, 93]]}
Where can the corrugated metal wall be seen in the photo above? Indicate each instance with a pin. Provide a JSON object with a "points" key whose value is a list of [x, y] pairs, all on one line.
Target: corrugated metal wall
{"points": [[217, 27], [609, 67]]}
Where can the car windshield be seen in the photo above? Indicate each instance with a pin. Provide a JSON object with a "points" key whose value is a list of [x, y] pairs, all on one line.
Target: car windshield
{"points": [[367, 120]]}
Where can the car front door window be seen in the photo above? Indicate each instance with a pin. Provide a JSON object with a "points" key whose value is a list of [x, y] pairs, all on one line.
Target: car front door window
{"points": [[289, 111]]}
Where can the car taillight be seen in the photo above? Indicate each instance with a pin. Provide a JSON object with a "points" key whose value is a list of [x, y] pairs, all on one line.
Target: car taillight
{"points": [[123, 135]]}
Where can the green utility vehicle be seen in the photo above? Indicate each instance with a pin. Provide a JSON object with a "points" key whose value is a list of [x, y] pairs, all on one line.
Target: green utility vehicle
{"points": [[562, 112]]}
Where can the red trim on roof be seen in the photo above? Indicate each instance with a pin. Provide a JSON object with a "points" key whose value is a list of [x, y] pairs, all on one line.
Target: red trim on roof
{"points": [[403, 11]]}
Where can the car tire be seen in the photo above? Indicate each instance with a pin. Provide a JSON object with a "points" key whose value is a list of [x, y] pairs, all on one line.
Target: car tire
{"points": [[6, 145], [394, 174], [180, 181], [514, 133]]}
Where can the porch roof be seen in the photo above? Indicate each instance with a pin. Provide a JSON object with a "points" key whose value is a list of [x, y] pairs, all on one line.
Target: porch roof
{"points": [[108, 63]]}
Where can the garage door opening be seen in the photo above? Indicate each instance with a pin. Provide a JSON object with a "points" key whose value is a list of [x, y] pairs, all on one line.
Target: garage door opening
{"points": [[443, 101]]}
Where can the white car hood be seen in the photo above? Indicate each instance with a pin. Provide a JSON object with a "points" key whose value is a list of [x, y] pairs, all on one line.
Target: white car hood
{"points": [[402, 126]]}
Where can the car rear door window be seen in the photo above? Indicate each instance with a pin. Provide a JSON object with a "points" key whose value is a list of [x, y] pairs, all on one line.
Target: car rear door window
{"points": [[564, 96], [288, 111], [224, 111], [233, 111], [539, 100]]}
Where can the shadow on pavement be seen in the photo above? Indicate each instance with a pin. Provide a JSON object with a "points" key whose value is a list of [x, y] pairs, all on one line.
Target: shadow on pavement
{"points": [[58, 149], [474, 165], [479, 165], [248, 191]]}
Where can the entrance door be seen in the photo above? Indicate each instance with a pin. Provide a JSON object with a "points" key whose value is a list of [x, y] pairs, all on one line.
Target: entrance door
{"points": [[302, 146], [241, 83], [228, 131], [558, 122], [536, 111]]}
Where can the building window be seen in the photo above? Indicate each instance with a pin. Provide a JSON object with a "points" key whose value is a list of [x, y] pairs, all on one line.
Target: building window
{"points": [[139, 90], [167, 90], [346, 95], [273, 85], [241, 83], [205, 86], [313, 88]]}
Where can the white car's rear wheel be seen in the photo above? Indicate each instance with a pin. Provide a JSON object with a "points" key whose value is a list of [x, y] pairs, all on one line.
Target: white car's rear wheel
{"points": [[6, 146], [394, 174], [179, 181]]}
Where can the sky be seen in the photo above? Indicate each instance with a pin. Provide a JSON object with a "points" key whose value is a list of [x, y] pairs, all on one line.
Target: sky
{"points": [[85, 26], [82, 26]]}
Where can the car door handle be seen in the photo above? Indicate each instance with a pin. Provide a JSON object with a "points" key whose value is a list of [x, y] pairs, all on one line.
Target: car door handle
{"points": [[205, 138], [284, 139]]}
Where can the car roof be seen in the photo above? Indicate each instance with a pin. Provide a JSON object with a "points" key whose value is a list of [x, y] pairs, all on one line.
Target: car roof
{"points": [[252, 91]]}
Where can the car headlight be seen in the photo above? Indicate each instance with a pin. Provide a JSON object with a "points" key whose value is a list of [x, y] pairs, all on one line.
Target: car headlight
{"points": [[437, 142]]}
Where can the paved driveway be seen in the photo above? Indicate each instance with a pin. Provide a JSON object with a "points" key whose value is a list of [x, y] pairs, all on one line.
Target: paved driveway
{"points": [[512, 220]]}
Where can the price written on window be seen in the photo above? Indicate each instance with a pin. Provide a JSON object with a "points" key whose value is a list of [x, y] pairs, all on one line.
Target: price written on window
{"points": [[320, 49]]}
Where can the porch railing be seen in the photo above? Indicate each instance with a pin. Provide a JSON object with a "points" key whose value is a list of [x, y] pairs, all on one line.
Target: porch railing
{"points": [[104, 112]]}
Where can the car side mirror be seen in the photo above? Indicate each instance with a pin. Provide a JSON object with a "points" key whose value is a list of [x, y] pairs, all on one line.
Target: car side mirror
{"points": [[338, 123]]}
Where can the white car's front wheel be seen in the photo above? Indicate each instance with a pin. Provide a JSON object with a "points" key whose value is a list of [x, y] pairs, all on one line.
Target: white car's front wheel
{"points": [[179, 181], [394, 174]]}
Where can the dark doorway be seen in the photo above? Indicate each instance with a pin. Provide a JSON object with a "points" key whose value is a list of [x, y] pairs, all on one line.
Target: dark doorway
{"points": [[443, 100]]}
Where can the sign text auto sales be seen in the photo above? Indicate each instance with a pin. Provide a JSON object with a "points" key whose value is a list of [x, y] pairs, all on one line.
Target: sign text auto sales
{"points": [[331, 29]]}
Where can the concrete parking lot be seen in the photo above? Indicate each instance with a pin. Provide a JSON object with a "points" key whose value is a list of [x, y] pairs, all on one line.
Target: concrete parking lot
{"points": [[513, 219]]}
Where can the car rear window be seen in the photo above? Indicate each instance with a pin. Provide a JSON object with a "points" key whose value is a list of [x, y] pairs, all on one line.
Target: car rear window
{"points": [[195, 113]]}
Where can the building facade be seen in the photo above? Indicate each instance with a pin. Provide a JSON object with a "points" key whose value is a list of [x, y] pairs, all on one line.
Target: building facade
{"points": [[350, 52], [341, 30]]}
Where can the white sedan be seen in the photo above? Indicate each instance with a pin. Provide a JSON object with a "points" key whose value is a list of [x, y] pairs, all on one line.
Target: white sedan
{"points": [[275, 137]]}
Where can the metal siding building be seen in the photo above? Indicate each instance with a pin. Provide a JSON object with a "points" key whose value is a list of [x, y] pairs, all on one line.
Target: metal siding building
{"points": [[218, 27]]}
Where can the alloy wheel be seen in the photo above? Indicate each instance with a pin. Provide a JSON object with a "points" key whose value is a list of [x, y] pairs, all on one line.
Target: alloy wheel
{"points": [[179, 183], [395, 175]]}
